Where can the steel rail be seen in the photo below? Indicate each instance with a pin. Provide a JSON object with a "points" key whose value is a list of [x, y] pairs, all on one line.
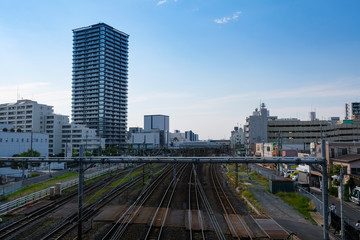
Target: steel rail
{"points": [[130, 213], [71, 222], [189, 212], [161, 203], [39, 213], [228, 220], [219, 233], [224, 198], [168, 205], [200, 219], [197, 206]]}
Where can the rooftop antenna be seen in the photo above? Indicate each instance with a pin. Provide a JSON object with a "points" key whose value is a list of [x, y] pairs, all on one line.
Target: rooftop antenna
{"points": [[17, 93]]}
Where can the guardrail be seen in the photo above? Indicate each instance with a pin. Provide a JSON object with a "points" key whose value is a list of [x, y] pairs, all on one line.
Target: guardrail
{"points": [[23, 201], [10, 188], [318, 203]]}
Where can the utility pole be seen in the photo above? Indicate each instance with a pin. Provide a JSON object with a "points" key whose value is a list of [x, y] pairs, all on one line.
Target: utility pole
{"points": [[325, 191], [342, 172], [80, 192]]}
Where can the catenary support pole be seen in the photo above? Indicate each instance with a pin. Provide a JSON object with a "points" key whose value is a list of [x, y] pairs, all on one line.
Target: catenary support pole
{"points": [[237, 175], [80, 192], [23, 171], [342, 203], [325, 191]]}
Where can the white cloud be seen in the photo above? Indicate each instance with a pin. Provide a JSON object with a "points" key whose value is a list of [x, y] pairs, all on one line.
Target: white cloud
{"points": [[161, 2], [227, 19]]}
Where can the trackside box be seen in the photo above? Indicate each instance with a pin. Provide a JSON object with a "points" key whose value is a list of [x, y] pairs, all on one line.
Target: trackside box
{"points": [[281, 186]]}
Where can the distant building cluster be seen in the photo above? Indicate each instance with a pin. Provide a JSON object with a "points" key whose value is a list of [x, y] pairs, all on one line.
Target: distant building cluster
{"points": [[261, 128], [27, 124], [156, 135]]}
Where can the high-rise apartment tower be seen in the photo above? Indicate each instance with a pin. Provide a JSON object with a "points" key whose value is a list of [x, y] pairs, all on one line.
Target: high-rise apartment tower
{"points": [[100, 80]]}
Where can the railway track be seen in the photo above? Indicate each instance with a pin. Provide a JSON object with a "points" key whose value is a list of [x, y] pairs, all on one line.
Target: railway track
{"points": [[159, 218], [37, 214], [121, 226], [194, 214], [234, 221], [71, 222]]}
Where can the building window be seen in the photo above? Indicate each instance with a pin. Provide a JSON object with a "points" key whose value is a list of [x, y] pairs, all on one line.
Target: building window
{"points": [[355, 171], [342, 151]]}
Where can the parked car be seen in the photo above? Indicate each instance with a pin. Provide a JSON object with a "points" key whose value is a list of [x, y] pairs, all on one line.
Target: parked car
{"points": [[295, 176], [355, 195], [288, 173]]}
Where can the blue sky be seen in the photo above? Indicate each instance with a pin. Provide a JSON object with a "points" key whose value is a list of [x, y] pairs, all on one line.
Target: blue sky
{"points": [[206, 64]]}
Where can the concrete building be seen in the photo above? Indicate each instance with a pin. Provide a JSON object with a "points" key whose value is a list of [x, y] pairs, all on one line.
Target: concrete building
{"points": [[53, 128], [352, 110], [237, 141], [145, 140], [18, 142], [294, 131], [176, 137], [75, 135], [30, 116], [27, 115], [191, 136], [156, 122], [100, 81], [256, 129]]}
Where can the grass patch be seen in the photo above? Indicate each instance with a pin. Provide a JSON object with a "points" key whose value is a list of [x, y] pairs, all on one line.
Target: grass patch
{"points": [[114, 184], [242, 186], [301, 204], [34, 174], [40, 186], [261, 180], [248, 194]]}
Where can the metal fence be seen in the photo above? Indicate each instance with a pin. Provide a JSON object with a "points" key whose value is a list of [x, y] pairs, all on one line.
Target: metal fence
{"points": [[318, 203], [20, 202], [267, 174], [13, 187]]}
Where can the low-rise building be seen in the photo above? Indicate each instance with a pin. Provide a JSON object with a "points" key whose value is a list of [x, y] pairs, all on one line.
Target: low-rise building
{"points": [[12, 143], [75, 135]]}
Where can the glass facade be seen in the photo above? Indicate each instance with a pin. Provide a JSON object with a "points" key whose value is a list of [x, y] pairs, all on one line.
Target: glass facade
{"points": [[100, 80]]}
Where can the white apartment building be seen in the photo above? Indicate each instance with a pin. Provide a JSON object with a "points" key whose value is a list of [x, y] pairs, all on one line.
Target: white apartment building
{"points": [[76, 135], [53, 127], [27, 115], [30, 116]]}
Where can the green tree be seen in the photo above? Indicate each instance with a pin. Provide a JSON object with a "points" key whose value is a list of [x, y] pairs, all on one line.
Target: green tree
{"points": [[111, 151], [75, 153], [28, 153]]}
